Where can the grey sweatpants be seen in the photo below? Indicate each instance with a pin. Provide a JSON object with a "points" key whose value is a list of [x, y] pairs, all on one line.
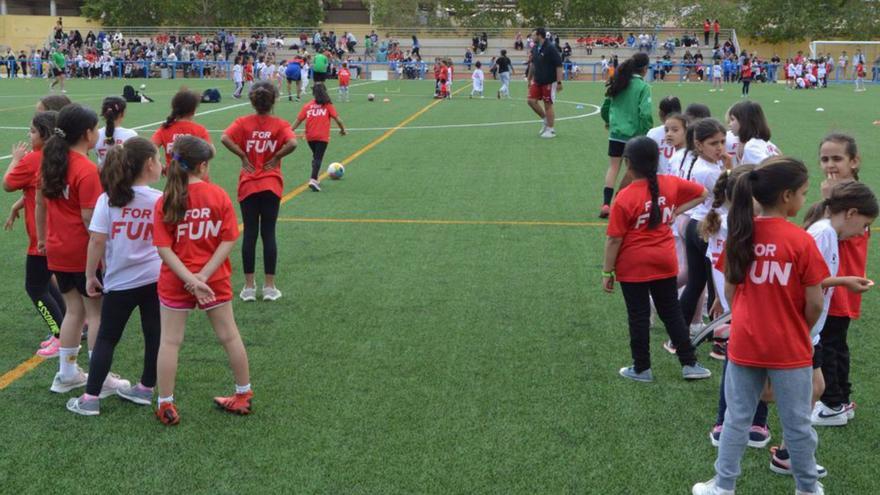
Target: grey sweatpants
{"points": [[793, 390], [505, 83]]}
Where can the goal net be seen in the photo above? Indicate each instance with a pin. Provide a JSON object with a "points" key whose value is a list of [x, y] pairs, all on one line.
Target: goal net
{"points": [[867, 51]]}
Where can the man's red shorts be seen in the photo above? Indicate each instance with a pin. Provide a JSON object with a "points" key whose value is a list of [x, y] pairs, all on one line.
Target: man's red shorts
{"points": [[545, 92]]}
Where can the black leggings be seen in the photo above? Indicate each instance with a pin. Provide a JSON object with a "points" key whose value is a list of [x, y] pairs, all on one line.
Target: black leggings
{"points": [[259, 213], [835, 361], [699, 272], [115, 312], [318, 149], [746, 83], [44, 293], [637, 296]]}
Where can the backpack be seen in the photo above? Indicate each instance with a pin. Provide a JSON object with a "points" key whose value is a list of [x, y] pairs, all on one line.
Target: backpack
{"points": [[211, 96], [130, 95]]}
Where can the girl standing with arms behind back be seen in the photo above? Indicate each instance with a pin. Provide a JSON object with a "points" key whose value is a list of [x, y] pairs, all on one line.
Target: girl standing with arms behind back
{"points": [[640, 253], [774, 275], [260, 141], [195, 229]]}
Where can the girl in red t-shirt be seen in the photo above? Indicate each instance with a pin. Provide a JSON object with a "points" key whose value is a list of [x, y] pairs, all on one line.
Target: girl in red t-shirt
{"points": [[840, 161], [640, 253], [68, 188], [180, 123], [317, 114], [746, 76], [260, 141], [195, 229], [774, 274], [22, 176]]}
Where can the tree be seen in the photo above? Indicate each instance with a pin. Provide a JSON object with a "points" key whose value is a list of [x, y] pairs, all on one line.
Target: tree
{"points": [[205, 12]]}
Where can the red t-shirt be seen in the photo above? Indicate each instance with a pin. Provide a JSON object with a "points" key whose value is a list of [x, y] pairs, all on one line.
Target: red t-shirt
{"points": [[853, 262], [248, 72], [344, 77], [260, 136], [768, 327], [164, 136], [210, 220], [317, 119], [67, 237], [706, 27], [648, 254], [24, 177], [747, 70]]}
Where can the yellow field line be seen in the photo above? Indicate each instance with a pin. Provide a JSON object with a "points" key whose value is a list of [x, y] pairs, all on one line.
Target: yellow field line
{"points": [[19, 371], [519, 223]]}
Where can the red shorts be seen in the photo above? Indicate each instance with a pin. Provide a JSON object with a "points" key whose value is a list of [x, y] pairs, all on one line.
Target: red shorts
{"points": [[545, 92], [173, 295]]}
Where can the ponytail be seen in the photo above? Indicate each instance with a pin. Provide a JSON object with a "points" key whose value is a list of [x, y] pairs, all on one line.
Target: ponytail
{"points": [[723, 193], [765, 184], [122, 166], [111, 109], [642, 157], [184, 103], [73, 122], [700, 131], [625, 72], [189, 152]]}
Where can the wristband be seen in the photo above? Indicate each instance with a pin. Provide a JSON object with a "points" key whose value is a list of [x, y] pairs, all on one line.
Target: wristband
{"points": [[608, 274]]}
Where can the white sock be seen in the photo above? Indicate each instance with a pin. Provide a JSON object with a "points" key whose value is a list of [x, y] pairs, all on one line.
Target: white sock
{"points": [[162, 400], [67, 360], [90, 355], [551, 129], [242, 389]]}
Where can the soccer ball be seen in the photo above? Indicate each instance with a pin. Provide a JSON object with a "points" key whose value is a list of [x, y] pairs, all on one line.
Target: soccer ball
{"points": [[143, 86], [371, 97], [335, 170]]}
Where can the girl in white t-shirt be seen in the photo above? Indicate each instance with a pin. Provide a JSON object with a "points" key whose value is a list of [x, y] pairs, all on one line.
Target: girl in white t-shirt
{"points": [[113, 111], [238, 77], [477, 80], [668, 106], [748, 123], [122, 240]]}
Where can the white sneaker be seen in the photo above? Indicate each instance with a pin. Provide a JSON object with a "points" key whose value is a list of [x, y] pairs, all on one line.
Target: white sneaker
{"points": [[548, 134], [271, 293], [828, 416], [248, 294], [62, 384], [112, 384], [314, 185], [543, 129], [820, 490], [710, 488]]}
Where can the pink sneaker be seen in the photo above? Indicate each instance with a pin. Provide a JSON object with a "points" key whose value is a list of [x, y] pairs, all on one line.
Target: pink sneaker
{"points": [[49, 340], [51, 350]]}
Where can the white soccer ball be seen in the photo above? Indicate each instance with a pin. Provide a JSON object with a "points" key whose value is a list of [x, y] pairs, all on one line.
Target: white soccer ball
{"points": [[371, 97], [143, 86], [820, 109], [775, 101]]}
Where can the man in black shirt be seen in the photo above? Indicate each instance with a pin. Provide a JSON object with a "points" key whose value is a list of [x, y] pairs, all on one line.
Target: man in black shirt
{"points": [[505, 70], [545, 80]]}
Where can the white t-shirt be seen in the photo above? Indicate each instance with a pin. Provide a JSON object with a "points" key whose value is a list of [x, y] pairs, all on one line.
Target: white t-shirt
{"points": [[706, 174], [713, 252], [792, 71], [716, 71], [827, 242], [130, 259], [478, 79], [604, 64], [237, 73], [676, 163], [822, 70], [756, 150], [120, 135], [658, 134], [731, 143]]}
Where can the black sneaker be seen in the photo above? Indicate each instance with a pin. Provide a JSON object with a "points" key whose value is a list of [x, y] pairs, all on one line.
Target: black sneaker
{"points": [[719, 351]]}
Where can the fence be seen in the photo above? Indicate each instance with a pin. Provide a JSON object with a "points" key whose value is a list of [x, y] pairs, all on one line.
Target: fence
{"points": [[221, 69]]}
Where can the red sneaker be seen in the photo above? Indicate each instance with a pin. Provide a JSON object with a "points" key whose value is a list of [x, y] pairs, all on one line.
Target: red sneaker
{"points": [[605, 212], [167, 414], [237, 404]]}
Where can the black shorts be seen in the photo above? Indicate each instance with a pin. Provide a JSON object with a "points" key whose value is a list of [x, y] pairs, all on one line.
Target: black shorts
{"points": [[615, 148], [319, 76], [68, 281], [817, 356], [57, 72]]}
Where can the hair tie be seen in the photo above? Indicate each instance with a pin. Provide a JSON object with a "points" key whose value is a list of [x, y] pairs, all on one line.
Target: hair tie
{"points": [[181, 161], [753, 176], [60, 133]]}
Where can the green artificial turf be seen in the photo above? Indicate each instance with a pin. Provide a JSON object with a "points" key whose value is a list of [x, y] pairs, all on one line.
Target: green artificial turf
{"points": [[408, 357]]}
